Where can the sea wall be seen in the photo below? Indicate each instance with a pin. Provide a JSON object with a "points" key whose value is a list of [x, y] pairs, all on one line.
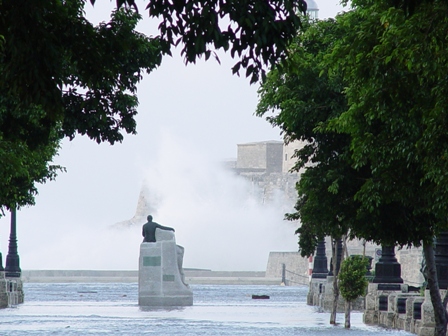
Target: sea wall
{"points": [[192, 276], [296, 267]]}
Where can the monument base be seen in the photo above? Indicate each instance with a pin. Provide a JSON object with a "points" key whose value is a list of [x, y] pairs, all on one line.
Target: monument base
{"points": [[161, 280], [165, 300]]}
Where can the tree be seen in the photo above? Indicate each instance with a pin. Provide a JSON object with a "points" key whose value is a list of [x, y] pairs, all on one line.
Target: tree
{"points": [[396, 93], [94, 70], [83, 77], [396, 67], [304, 97], [352, 282]]}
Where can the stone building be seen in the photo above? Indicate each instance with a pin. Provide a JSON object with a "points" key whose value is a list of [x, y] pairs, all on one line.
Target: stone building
{"points": [[260, 157], [289, 160], [267, 166]]}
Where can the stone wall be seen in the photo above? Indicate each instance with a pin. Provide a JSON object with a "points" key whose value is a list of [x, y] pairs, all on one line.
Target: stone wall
{"points": [[400, 309], [296, 267], [274, 155], [288, 158], [275, 188], [411, 262], [263, 156], [192, 276], [3, 291]]}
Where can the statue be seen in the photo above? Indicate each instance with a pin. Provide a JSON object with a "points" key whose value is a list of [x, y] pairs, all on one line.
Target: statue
{"points": [[161, 280], [149, 230]]}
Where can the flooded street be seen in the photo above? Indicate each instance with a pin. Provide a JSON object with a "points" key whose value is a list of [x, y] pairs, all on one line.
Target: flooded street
{"points": [[111, 309]]}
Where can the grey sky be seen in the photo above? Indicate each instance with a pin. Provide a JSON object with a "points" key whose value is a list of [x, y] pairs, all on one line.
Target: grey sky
{"points": [[189, 119]]}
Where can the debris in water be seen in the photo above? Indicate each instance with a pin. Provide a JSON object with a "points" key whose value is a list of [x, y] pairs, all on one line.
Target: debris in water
{"points": [[260, 297]]}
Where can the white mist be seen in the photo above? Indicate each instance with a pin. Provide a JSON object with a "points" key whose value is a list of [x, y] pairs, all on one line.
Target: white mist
{"points": [[218, 221]]}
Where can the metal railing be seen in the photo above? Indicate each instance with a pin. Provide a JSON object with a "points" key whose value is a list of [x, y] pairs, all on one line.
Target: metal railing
{"points": [[289, 277]]}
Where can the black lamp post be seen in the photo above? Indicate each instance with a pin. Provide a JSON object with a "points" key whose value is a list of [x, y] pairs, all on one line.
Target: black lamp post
{"points": [[320, 268], [441, 259], [338, 243], [12, 268], [388, 269]]}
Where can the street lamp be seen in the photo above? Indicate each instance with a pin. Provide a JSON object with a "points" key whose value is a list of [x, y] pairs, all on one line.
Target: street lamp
{"points": [[12, 268]]}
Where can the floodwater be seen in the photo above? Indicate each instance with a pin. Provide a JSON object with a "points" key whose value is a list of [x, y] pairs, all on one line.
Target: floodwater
{"points": [[112, 309]]}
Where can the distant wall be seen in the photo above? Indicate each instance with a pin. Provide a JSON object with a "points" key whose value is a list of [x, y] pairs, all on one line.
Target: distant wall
{"points": [[192, 276], [276, 187], [251, 156], [274, 154], [264, 157], [411, 262], [296, 267], [288, 155]]}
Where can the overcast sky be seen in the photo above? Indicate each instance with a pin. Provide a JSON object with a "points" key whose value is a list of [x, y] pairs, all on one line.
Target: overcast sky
{"points": [[190, 118]]}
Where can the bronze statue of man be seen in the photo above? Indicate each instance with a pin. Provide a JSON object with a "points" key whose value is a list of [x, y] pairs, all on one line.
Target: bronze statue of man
{"points": [[149, 230]]}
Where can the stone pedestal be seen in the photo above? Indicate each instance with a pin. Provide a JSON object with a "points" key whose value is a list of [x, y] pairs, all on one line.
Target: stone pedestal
{"points": [[428, 323], [409, 323], [328, 297], [14, 290], [161, 279], [315, 291], [3, 291], [416, 315], [399, 314], [377, 302]]}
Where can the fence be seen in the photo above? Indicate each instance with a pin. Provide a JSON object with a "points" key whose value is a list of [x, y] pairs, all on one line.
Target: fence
{"points": [[290, 278]]}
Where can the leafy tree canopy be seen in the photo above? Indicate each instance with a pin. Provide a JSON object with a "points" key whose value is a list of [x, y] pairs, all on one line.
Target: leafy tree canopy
{"points": [[83, 77], [352, 277], [61, 76], [382, 144], [396, 64], [392, 64], [397, 72]]}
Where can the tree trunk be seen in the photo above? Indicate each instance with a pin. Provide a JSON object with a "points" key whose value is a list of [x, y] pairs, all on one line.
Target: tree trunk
{"points": [[335, 299], [335, 282], [364, 242], [344, 248], [347, 303], [436, 299], [347, 314]]}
